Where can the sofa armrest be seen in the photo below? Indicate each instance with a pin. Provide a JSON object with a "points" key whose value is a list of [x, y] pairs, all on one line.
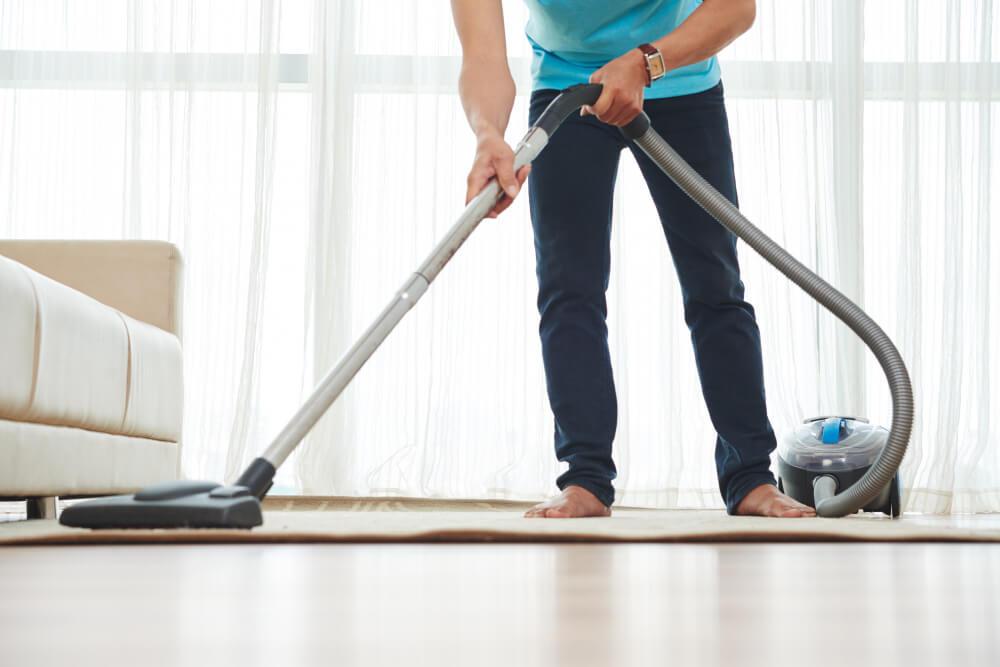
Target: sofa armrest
{"points": [[142, 279]]}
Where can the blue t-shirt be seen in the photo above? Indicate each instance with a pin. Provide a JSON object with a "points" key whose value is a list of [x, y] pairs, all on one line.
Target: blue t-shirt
{"points": [[573, 38]]}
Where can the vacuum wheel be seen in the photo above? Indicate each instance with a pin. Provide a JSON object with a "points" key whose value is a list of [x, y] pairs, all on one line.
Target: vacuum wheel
{"points": [[895, 497]]}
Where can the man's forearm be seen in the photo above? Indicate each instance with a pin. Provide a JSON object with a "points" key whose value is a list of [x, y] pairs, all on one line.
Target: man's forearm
{"points": [[709, 29], [485, 84], [487, 91]]}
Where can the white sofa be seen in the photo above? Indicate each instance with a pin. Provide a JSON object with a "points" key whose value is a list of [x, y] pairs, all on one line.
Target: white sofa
{"points": [[91, 387]]}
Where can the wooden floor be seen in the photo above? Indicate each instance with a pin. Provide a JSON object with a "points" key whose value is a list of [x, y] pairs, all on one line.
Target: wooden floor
{"points": [[512, 605]]}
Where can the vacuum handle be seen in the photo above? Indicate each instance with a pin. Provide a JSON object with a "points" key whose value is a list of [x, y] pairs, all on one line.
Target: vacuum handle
{"points": [[568, 101], [584, 94]]}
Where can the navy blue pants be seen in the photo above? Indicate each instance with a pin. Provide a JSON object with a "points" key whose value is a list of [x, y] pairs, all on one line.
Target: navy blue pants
{"points": [[570, 190]]}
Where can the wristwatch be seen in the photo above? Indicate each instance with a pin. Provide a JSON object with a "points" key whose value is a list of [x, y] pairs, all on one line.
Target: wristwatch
{"points": [[655, 68]]}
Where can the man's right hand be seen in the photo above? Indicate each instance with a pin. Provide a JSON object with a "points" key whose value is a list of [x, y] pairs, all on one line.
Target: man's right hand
{"points": [[495, 159]]}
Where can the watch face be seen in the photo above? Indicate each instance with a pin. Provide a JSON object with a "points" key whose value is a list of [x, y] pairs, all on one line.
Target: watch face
{"points": [[656, 67]]}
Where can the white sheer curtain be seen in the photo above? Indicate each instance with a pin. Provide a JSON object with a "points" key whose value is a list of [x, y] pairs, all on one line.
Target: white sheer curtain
{"points": [[304, 185], [128, 119]]}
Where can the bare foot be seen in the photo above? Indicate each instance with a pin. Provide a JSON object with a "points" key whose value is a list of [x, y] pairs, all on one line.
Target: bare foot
{"points": [[574, 502], [766, 500]]}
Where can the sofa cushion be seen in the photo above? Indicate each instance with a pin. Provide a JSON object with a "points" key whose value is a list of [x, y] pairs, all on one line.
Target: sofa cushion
{"points": [[43, 460], [17, 339], [82, 370], [69, 360], [156, 391]]}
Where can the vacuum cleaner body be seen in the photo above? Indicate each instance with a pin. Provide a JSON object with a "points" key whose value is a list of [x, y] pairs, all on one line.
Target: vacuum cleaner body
{"points": [[837, 451]]}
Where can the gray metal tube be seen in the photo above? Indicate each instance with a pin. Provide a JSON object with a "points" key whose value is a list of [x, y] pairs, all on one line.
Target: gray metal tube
{"points": [[880, 474], [331, 386]]}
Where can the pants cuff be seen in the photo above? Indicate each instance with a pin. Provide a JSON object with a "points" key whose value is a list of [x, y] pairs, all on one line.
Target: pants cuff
{"points": [[604, 492], [744, 484]]}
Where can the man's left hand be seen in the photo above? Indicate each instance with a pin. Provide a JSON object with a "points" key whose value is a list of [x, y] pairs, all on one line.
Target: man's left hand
{"points": [[624, 79]]}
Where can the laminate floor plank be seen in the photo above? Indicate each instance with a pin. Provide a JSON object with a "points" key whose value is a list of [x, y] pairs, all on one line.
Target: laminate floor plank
{"points": [[501, 604]]}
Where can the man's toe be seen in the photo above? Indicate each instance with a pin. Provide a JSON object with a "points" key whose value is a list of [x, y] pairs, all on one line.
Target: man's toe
{"points": [[796, 511], [805, 510]]}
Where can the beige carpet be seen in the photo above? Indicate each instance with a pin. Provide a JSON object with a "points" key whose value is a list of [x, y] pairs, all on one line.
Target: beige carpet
{"points": [[398, 520]]}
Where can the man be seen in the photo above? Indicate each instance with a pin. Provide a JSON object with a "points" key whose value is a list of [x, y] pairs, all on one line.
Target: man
{"points": [[651, 55]]}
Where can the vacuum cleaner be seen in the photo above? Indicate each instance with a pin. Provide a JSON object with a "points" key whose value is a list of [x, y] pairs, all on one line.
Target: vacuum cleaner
{"points": [[857, 477], [828, 453]]}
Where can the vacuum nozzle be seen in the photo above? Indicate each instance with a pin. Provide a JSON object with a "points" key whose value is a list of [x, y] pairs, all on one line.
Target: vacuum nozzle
{"points": [[185, 504]]}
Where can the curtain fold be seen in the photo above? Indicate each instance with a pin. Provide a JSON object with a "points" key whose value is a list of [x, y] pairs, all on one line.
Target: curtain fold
{"points": [[248, 396], [322, 465], [306, 154]]}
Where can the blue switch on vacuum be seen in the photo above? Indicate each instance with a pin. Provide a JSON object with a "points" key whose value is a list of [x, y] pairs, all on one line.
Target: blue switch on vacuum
{"points": [[831, 430]]}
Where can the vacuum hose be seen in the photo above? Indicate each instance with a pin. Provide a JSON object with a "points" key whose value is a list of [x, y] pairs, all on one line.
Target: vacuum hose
{"points": [[693, 185]]}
